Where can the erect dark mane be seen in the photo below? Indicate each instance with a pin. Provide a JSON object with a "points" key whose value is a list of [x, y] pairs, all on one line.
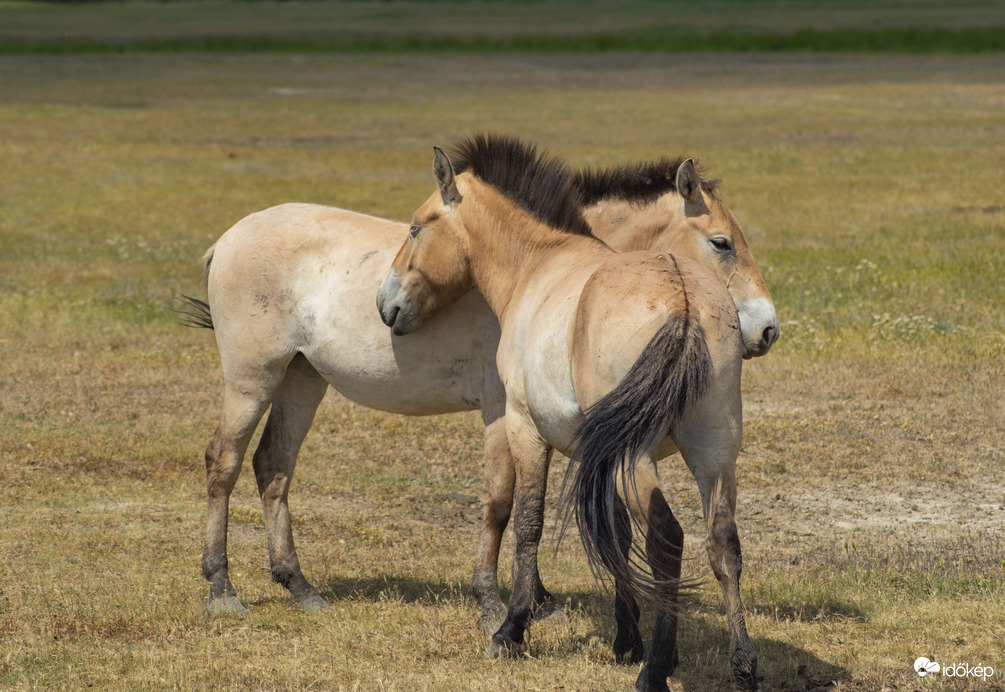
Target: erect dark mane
{"points": [[543, 185], [635, 182]]}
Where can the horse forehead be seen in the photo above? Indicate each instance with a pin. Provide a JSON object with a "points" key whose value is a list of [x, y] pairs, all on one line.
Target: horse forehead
{"points": [[721, 216], [429, 209]]}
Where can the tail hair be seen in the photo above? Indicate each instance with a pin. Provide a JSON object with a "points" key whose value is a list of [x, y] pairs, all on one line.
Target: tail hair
{"points": [[193, 312], [671, 374]]}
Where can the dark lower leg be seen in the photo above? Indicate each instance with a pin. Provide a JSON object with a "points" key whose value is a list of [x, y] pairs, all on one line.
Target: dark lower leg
{"points": [[527, 527], [628, 640], [497, 505], [292, 414], [664, 548]]}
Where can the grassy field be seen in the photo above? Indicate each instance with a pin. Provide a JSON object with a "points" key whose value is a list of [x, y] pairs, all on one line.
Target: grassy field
{"points": [[871, 493]]}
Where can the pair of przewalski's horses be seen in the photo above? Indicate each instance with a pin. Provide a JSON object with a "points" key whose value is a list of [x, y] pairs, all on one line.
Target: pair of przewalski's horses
{"points": [[612, 313]]}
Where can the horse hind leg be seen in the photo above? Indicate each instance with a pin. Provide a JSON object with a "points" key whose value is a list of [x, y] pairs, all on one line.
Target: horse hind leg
{"points": [[293, 407], [628, 647], [664, 544], [243, 407], [723, 547]]}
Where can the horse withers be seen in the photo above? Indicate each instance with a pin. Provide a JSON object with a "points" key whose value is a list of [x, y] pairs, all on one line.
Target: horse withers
{"points": [[617, 360]]}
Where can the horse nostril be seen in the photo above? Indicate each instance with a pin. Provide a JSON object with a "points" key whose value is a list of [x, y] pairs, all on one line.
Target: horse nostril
{"points": [[770, 335], [390, 319]]}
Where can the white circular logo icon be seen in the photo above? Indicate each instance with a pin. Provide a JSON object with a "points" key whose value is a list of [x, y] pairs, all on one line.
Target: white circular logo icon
{"points": [[924, 666]]}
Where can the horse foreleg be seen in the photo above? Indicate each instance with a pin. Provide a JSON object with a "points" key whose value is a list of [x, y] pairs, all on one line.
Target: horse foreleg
{"points": [[293, 408], [723, 547], [531, 456], [224, 456], [500, 479]]}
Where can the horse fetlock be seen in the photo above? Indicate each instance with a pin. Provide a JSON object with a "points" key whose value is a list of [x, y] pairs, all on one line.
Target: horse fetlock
{"points": [[214, 566], [302, 593], [628, 648], [549, 612], [743, 665], [486, 590], [545, 606], [648, 682], [485, 585], [510, 640]]}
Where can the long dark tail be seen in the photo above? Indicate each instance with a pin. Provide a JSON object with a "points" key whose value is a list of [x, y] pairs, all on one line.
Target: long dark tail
{"points": [[668, 378], [193, 312]]}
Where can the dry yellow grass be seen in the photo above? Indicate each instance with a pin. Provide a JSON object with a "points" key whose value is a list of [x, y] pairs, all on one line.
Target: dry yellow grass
{"points": [[870, 481]]}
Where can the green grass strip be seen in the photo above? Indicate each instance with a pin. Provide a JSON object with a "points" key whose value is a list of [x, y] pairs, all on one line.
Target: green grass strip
{"points": [[990, 39]]}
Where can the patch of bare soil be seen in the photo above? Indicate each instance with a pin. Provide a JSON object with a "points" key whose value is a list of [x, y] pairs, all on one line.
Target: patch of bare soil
{"points": [[892, 481]]}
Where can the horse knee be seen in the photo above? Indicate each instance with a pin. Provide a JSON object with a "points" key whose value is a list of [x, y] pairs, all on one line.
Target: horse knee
{"points": [[723, 547]]}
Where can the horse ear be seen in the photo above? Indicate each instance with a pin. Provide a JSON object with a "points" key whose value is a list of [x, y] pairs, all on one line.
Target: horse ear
{"points": [[689, 182], [444, 173]]}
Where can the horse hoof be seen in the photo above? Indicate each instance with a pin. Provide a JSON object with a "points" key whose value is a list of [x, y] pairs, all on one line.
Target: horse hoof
{"points": [[312, 604], [226, 605], [500, 648], [644, 684]]}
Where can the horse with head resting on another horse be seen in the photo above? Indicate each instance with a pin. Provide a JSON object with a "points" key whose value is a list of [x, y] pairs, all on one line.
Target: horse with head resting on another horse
{"points": [[291, 299], [617, 360]]}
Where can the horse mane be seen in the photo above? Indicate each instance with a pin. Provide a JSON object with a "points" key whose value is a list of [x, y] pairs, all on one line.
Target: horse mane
{"points": [[541, 184], [639, 183]]}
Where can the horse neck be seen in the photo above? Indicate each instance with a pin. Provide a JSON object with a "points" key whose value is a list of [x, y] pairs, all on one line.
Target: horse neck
{"points": [[505, 242], [630, 226]]}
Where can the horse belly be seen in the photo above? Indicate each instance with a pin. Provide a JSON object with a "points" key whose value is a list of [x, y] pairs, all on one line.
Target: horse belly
{"points": [[444, 367], [545, 382]]}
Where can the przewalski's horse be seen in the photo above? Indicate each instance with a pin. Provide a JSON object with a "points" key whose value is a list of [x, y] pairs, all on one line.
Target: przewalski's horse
{"points": [[291, 297], [615, 359]]}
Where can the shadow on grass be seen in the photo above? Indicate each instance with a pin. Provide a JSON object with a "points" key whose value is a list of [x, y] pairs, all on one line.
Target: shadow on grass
{"points": [[383, 587], [703, 638]]}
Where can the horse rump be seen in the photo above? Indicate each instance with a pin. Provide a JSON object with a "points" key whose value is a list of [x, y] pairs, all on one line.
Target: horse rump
{"points": [[671, 374]]}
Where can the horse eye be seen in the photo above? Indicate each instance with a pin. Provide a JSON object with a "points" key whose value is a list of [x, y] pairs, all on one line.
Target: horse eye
{"points": [[721, 244], [414, 230]]}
